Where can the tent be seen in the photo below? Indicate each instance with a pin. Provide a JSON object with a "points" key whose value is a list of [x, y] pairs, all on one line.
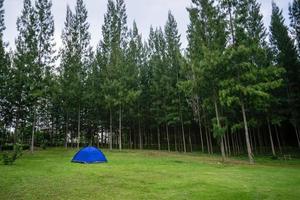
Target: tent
{"points": [[89, 155]]}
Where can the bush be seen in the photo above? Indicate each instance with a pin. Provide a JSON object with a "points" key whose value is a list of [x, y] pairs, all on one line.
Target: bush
{"points": [[10, 158]]}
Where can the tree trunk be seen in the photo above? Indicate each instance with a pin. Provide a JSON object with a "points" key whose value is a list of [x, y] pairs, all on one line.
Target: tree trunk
{"points": [[254, 141], [150, 140], [250, 137], [297, 135], [175, 138], [98, 140], [271, 138], [158, 138], [17, 127], [250, 155], [233, 144], [200, 131], [146, 137], [120, 128], [230, 148], [190, 140], [207, 140], [237, 143], [78, 128], [210, 142], [67, 130], [140, 136], [32, 133], [102, 137], [225, 145], [91, 138], [260, 141], [278, 140], [183, 135], [222, 137], [130, 140], [110, 129], [51, 133], [168, 140], [228, 144]]}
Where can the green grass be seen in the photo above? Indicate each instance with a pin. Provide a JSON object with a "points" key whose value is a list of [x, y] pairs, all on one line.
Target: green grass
{"points": [[147, 175]]}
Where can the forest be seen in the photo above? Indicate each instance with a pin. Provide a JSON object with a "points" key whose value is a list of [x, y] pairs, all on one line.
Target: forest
{"points": [[234, 90]]}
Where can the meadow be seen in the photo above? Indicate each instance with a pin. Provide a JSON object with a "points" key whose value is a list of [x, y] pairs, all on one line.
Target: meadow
{"points": [[49, 174]]}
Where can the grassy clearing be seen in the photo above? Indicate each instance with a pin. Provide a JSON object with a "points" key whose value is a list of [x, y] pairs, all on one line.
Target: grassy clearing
{"points": [[147, 175]]}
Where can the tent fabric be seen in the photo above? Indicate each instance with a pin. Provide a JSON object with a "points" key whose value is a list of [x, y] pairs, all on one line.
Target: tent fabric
{"points": [[89, 155]]}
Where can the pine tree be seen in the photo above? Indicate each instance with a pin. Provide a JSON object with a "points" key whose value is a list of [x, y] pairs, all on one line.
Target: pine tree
{"points": [[76, 63], [136, 61], [249, 79], [45, 35], [83, 53], [294, 12], [173, 102], [157, 60], [46, 55], [286, 56], [67, 71], [229, 7], [113, 48], [28, 74], [2, 25], [5, 78], [207, 41], [4, 68], [103, 60], [249, 24]]}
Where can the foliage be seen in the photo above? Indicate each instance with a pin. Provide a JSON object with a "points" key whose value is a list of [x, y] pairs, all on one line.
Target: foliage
{"points": [[147, 92], [10, 158]]}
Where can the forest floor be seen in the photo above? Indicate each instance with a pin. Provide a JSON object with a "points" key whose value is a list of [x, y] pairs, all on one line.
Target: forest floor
{"points": [[49, 174]]}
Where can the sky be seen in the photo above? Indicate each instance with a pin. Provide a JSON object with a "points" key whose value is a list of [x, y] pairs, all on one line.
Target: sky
{"points": [[144, 12]]}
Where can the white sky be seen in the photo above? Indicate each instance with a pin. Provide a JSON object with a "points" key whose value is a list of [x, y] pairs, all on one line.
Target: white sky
{"points": [[145, 12]]}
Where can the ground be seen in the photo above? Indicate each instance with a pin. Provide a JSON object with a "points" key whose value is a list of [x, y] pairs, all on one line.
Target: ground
{"points": [[49, 174]]}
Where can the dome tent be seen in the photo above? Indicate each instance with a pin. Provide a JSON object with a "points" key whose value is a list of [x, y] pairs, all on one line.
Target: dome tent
{"points": [[89, 155]]}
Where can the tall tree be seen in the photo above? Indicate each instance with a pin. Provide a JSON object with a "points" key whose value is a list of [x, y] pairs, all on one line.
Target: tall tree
{"points": [[76, 62], [173, 102], [5, 78], [103, 60], [2, 25], [67, 71], [294, 12], [27, 74], [83, 53], [113, 48], [45, 36], [249, 77], [46, 56], [286, 56], [136, 59], [207, 41], [157, 60]]}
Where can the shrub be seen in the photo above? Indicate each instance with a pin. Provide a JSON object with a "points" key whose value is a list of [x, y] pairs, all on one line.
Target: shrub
{"points": [[10, 158]]}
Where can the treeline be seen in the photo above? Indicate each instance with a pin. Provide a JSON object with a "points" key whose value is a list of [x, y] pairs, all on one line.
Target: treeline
{"points": [[236, 85]]}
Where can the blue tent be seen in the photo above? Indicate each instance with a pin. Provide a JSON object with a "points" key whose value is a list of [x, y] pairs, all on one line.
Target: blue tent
{"points": [[89, 155]]}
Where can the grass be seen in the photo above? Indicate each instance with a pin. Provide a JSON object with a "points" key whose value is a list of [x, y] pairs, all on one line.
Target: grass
{"points": [[49, 174]]}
